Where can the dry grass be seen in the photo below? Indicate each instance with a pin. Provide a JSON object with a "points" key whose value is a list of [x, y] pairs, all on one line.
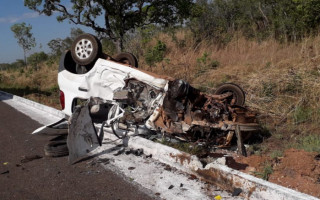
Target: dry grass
{"points": [[281, 81], [38, 85]]}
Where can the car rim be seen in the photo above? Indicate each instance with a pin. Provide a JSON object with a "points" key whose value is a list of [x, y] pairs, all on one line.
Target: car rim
{"points": [[84, 49]]}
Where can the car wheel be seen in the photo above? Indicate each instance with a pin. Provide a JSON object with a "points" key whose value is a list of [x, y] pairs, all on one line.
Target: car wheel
{"points": [[127, 58], [56, 149], [238, 97], [85, 49]]}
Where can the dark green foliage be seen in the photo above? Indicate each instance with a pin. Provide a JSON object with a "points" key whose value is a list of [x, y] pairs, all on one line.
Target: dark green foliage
{"points": [[36, 58], [108, 46], [120, 16], [59, 45], [204, 64], [156, 54], [19, 63], [285, 20]]}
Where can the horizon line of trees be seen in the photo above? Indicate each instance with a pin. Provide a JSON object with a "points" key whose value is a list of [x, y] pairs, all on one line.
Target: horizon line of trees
{"points": [[217, 21], [283, 20]]}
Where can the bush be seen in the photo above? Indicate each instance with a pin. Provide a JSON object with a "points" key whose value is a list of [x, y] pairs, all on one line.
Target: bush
{"points": [[36, 58], [204, 64], [156, 54], [108, 46], [266, 171], [310, 143], [302, 114]]}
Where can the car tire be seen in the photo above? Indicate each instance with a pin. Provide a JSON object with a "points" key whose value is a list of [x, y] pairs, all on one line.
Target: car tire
{"points": [[56, 149], [238, 93], [127, 58], [85, 49]]}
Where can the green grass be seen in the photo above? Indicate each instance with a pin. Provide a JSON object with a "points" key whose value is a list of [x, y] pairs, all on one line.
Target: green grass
{"points": [[266, 172], [302, 114], [276, 154], [310, 143]]}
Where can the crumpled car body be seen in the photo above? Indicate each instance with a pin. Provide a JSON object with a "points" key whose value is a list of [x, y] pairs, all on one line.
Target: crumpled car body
{"points": [[135, 98], [97, 90]]}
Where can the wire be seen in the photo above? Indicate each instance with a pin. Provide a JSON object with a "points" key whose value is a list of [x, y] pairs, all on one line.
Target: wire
{"points": [[114, 132]]}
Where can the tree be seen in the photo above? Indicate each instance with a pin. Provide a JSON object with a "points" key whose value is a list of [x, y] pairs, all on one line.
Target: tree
{"points": [[25, 38], [285, 20], [36, 58], [59, 45], [119, 16]]}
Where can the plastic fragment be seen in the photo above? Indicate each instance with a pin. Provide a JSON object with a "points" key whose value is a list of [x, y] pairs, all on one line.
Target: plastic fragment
{"points": [[218, 197], [5, 163]]}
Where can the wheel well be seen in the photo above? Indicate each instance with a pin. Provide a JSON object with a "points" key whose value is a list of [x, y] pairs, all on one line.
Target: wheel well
{"points": [[67, 63]]}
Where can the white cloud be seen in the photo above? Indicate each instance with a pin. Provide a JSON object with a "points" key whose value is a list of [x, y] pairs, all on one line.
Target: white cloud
{"points": [[14, 19]]}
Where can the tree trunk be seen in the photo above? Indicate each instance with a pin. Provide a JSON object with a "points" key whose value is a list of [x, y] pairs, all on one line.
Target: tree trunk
{"points": [[25, 58], [119, 45]]}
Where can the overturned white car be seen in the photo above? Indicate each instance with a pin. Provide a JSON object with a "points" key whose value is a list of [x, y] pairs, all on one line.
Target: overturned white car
{"points": [[114, 92]]}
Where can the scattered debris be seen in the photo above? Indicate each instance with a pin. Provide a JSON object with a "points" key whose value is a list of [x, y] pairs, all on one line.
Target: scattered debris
{"points": [[5, 172], [30, 158], [236, 191], [170, 187], [121, 151], [149, 156], [192, 177], [5, 163], [230, 162], [104, 161], [317, 157], [168, 168], [181, 185], [218, 197], [137, 152], [131, 168], [146, 104]]}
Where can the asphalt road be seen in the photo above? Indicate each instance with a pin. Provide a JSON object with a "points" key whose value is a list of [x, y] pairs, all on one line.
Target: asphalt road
{"points": [[51, 178]]}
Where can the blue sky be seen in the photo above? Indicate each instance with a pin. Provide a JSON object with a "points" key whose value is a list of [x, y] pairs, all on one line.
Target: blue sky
{"points": [[44, 29]]}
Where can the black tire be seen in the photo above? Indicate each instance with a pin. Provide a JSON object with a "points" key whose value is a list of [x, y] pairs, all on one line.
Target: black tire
{"points": [[85, 49], [56, 149], [238, 93], [127, 58], [60, 138]]}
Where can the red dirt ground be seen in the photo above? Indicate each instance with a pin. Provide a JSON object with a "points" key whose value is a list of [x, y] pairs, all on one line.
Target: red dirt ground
{"points": [[297, 169]]}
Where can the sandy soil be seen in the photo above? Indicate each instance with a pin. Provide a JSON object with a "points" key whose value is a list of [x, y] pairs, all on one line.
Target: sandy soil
{"points": [[297, 169]]}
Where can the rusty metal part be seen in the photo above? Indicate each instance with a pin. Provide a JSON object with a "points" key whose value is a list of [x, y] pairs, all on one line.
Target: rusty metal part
{"points": [[184, 112], [241, 147], [188, 113]]}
